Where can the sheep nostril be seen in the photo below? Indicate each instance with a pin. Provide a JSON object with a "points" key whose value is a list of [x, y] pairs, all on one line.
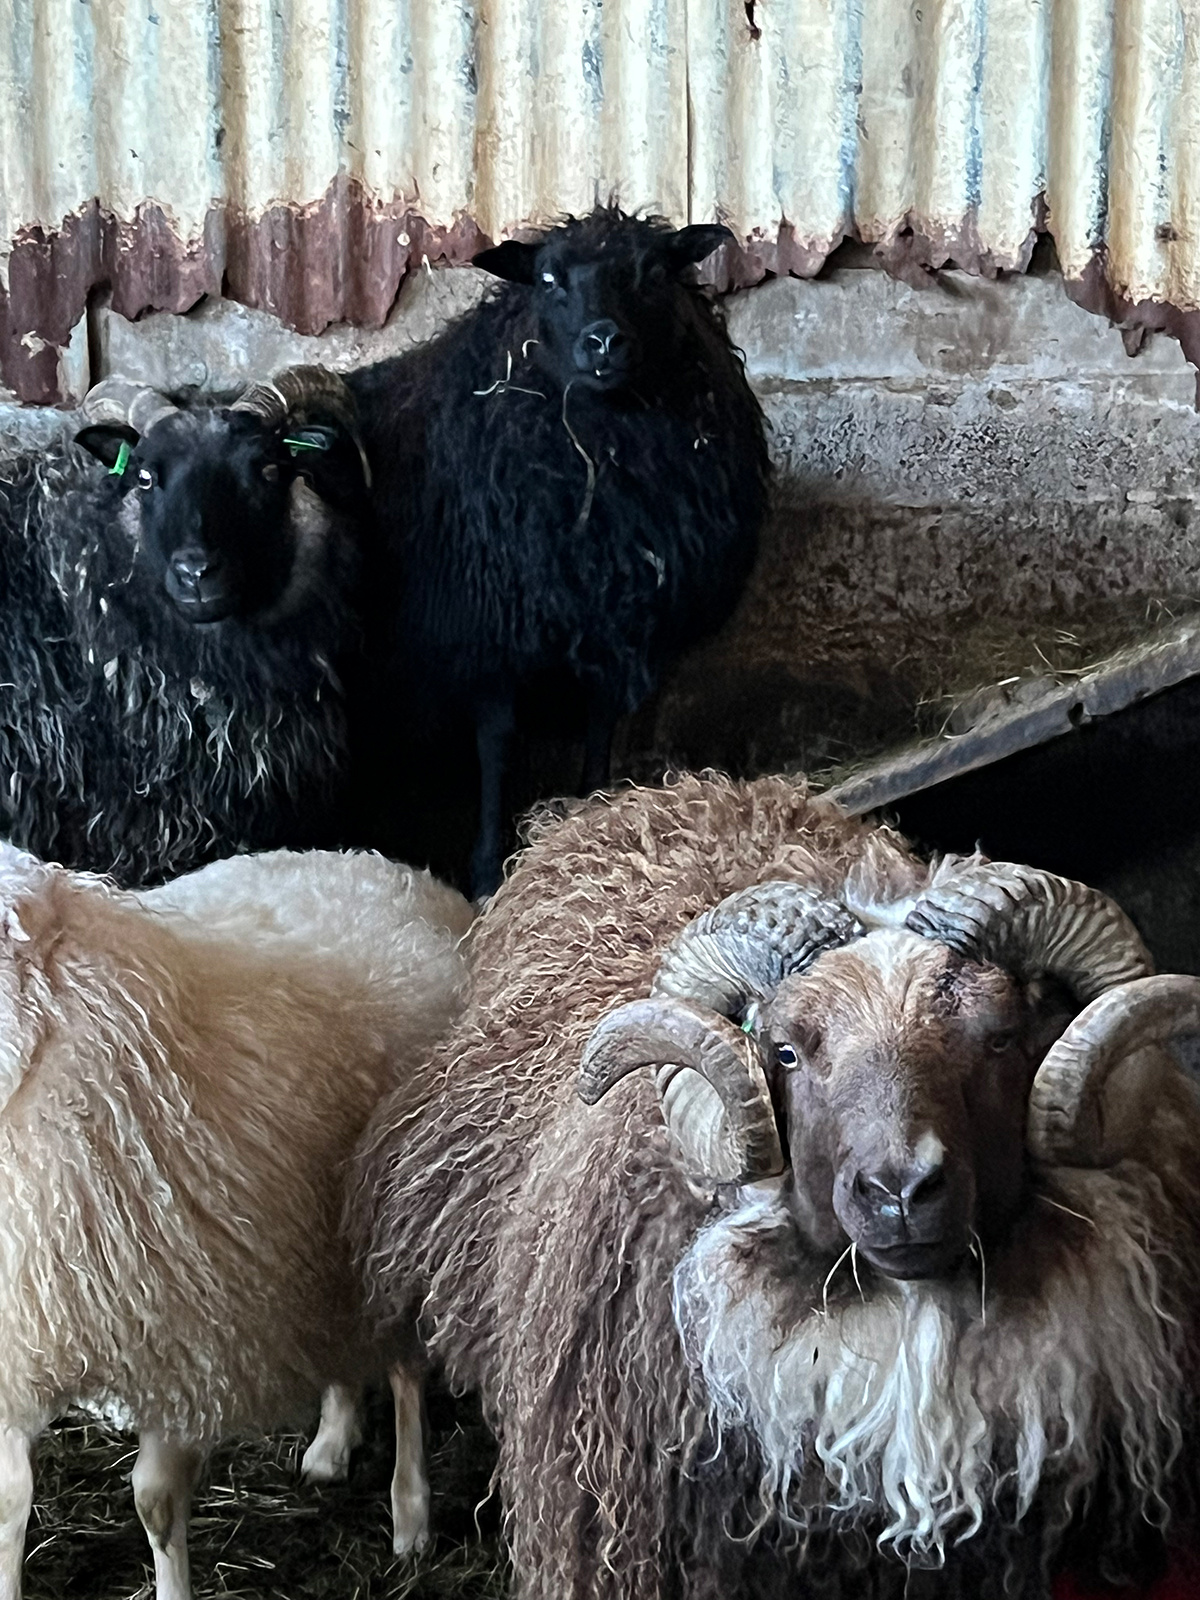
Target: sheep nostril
{"points": [[926, 1188], [597, 342], [874, 1192]]}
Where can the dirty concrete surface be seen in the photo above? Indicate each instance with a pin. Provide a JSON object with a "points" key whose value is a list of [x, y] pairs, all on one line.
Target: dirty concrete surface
{"points": [[975, 483]]}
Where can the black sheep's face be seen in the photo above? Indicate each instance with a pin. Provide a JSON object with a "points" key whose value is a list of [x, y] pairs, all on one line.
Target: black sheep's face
{"points": [[605, 294], [212, 499]]}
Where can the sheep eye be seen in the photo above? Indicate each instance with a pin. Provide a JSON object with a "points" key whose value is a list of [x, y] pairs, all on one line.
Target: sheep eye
{"points": [[145, 479], [271, 472], [1000, 1042], [786, 1056]]}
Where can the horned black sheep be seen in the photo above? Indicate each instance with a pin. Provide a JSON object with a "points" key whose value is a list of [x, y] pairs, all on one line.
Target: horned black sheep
{"points": [[174, 631]]}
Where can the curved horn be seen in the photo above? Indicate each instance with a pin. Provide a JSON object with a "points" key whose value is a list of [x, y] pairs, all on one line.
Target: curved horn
{"points": [[1066, 1124], [744, 947], [709, 1078], [294, 389], [122, 401], [297, 390], [1033, 922]]}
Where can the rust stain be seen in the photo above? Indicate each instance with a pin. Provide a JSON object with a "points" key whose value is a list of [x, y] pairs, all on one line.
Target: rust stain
{"points": [[1095, 293], [50, 276], [345, 258], [341, 260]]}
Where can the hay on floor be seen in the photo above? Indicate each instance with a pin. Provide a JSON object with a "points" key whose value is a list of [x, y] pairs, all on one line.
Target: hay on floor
{"points": [[257, 1530]]}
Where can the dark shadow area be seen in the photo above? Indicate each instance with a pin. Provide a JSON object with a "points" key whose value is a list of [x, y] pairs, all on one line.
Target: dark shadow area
{"points": [[1116, 803]]}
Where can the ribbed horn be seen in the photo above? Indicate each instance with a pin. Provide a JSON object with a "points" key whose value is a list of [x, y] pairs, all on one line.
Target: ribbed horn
{"points": [[709, 1078], [1066, 1104], [299, 391], [120, 400], [744, 947], [1032, 922], [295, 389]]}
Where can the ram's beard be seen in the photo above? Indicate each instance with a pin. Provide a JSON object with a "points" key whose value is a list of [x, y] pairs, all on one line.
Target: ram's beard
{"points": [[920, 1411]]}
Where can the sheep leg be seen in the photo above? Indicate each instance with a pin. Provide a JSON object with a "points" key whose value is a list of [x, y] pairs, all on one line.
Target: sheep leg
{"points": [[16, 1497], [494, 722], [164, 1476], [410, 1486], [327, 1459]]}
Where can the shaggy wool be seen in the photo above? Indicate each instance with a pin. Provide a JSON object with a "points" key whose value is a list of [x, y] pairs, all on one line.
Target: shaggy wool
{"points": [[182, 1074], [688, 1405], [134, 742]]}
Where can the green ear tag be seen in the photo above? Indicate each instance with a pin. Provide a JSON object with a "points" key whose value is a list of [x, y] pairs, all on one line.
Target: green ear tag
{"points": [[297, 445], [748, 1025], [117, 470]]}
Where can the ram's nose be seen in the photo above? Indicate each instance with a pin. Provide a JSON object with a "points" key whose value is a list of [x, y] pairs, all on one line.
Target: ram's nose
{"points": [[198, 581], [906, 1196], [194, 569], [912, 1216]]}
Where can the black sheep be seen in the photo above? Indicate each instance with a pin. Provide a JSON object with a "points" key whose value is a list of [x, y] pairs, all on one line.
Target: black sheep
{"points": [[172, 631], [569, 484]]}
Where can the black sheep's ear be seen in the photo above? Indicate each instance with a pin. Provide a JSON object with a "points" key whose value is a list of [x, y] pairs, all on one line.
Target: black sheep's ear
{"points": [[511, 260], [693, 244], [104, 440]]}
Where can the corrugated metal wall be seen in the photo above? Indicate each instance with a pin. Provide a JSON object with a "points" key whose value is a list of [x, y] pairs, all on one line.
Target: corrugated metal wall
{"points": [[303, 153]]}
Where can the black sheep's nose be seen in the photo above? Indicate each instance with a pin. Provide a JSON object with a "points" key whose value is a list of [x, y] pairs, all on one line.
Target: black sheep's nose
{"points": [[602, 347], [195, 569]]}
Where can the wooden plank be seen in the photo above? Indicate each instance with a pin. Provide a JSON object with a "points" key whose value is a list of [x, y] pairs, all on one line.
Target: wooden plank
{"points": [[1028, 713]]}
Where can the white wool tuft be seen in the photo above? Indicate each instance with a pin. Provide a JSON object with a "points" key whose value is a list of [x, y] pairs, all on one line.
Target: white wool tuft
{"points": [[922, 1409]]}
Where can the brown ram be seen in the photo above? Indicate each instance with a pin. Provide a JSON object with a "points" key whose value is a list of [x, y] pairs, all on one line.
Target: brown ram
{"points": [[875, 1269]]}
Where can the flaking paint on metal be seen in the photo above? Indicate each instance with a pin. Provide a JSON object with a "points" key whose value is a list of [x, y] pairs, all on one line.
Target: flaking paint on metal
{"points": [[300, 146]]}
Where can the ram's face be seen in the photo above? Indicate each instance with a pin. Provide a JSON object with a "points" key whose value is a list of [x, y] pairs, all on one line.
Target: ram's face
{"points": [[213, 503], [902, 1072]]}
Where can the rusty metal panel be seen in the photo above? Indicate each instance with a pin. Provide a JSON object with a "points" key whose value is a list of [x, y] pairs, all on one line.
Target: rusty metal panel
{"points": [[303, 155]]}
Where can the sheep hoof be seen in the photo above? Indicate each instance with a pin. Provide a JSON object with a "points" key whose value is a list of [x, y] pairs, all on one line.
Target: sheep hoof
{"points": [[410, 1525], [326, 1461]]}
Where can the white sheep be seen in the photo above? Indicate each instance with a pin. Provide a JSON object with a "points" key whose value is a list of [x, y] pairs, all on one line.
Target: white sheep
{"points": [[182, 1074]]}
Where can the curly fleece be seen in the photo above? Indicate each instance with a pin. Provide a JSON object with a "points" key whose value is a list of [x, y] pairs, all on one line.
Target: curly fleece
{"points": [[648, 1362]]}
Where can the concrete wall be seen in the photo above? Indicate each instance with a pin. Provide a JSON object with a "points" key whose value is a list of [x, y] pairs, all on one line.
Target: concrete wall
{"points": [[975, 481]]}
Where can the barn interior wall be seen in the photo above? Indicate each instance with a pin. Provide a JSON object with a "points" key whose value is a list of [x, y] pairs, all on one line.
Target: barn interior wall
{"points": [[975, 480]]}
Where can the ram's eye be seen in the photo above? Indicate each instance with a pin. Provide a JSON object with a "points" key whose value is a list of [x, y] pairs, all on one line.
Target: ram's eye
{"points": [[271, 472], [786, 1056], [1000, 1042], [145, 479]]}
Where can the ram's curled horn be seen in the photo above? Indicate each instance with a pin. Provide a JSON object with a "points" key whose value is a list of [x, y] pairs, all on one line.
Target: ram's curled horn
{"points": [[709, 1078], [744, 947], [1032, 922], [120, 400], [297, 391], [1066, 1105]]}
